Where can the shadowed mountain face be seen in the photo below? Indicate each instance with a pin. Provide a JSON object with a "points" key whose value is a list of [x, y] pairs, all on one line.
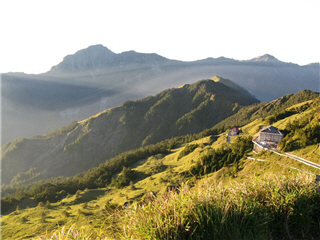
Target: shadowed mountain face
{"points": [[82, 145], [93, 57], [95, 79], [32, 106], [98, 58], [49, 95]]}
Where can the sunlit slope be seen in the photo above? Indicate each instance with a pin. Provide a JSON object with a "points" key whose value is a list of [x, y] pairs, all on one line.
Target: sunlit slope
{"points": [[155, 174], [262, 110]]}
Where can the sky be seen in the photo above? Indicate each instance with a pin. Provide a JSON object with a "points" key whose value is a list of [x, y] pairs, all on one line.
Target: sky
{"points": [[37, 34]]}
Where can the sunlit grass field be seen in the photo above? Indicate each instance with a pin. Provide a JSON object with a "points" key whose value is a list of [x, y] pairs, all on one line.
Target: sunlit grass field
{"points": [[262, 200]]}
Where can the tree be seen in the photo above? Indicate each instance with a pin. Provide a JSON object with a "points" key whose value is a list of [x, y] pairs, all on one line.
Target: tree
{"points": [[48, 204], [23, 220]]}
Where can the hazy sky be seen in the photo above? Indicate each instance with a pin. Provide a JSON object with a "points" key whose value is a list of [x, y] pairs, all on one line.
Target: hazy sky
{"points": [[37, 34]]}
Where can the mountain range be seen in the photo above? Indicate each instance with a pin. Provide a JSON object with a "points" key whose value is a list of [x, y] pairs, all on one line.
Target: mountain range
{"points": [[95, 79]]}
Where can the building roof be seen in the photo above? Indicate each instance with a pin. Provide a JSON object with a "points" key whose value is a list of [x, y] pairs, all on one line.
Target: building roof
{"points": [[235, 129], [271, 129]]}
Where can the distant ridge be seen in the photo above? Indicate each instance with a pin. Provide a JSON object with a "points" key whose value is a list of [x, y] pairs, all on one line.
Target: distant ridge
{"points": [[98, 79], [97, 57]]}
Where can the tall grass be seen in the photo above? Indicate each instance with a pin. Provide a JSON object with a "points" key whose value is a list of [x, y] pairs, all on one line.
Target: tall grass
{"points": [[272, 208], [277, 208], [84, 233]]}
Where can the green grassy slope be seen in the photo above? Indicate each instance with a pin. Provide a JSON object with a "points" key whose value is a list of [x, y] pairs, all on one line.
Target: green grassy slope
{"points": [[270, 192], [263, 110]]}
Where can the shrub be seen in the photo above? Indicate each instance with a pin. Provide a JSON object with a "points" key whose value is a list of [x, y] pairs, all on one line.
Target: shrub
{"points": [[214, 160], [123, 178], [65, 213], [187, 150], [132, 187], [23, 220], [42, 217], [48, 204], [300, 134]]}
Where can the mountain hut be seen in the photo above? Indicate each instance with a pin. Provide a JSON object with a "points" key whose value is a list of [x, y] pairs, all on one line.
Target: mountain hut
{"points": [[270, 134]]}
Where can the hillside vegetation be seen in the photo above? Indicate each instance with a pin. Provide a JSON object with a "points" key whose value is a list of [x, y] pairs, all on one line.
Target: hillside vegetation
{"points": [[191, 187], [83, 145], [273, 111]]}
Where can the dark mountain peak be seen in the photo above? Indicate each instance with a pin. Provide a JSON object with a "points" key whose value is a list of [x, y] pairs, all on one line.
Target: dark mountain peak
{"points": [[93, 57], [231, 84], [217, 78], [226, 82], [265, 58]]}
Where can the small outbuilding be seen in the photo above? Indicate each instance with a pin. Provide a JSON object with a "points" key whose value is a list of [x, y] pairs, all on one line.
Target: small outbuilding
{"points": [[233, 132]]}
